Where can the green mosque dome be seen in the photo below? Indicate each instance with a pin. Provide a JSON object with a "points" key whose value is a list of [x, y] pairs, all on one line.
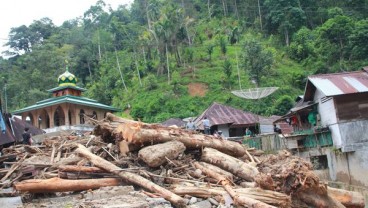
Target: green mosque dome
{"points": [[67, 79]]}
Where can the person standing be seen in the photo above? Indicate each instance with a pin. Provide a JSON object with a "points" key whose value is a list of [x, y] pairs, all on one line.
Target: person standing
{"points": [[26, 136], [206, 125], [191, 125], [248, 132]]}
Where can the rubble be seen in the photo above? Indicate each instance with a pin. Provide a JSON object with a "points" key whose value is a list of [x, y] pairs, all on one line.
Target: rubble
{"points": [[94, 170]]}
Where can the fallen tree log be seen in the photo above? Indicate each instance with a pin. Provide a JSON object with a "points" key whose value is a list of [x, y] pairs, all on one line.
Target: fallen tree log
{"points": [[156, 155], [266, 196], [139, 134], [218, 170], [228, 163], [130, 177], [238, 199], [63, 185], [315, 199], [349, 199]]}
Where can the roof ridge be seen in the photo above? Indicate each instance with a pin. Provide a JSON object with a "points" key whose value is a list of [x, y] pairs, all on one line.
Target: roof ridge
{"points": [[337, 73]]}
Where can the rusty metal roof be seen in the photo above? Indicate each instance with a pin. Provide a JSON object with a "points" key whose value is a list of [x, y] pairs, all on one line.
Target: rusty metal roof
{"points": [[18, 128], [340, 83], [174, 121], [221, 114]]}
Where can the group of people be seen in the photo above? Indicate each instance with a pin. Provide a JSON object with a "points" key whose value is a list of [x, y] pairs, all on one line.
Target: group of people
{"points": [[207, 128], [205, 122]]}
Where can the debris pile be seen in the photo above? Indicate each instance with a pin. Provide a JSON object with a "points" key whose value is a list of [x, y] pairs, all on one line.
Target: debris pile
{"points": [[183, 167]]}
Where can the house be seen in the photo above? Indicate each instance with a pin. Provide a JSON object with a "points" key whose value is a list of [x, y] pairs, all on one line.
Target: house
{"points": [[66, 109], [174, 122], [231, 121], [330, 126], [14, 130]]}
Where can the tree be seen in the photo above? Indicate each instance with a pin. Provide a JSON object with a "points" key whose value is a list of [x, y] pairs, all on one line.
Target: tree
{"points": [[333, 38], [302, 45], [223, 44], [284, 16], [227, 67], [256, 60], [359, 40], [210, 51], [283, 105]]}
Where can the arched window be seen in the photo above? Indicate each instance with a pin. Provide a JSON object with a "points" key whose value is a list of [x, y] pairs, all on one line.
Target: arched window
{"points": [[59, 117]]}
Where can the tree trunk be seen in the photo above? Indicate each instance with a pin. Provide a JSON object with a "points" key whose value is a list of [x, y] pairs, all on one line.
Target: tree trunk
{"points": [[315, 199], [218, 170], [156, 155], [167, 64], [143, 134], [228, 163], [63, 185], [266, 196], [209, 9], [260, 15], [130, 177], [238, 199], [349, 199], [121, 74]]}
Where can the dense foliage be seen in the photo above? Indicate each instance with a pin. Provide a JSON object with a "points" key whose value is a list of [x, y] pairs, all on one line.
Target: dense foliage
{"points": [[143, 59]]}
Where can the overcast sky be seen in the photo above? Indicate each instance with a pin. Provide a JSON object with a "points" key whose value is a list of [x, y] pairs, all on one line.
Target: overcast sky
{"points": [[15, 13]]}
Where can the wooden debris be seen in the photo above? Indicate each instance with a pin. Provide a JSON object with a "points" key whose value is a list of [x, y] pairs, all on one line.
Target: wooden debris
{"points": [[233, 173], [349, 199], [147, 135], [238, 199], [156, 155], [131, 177], [63, 185], [229, 163]]}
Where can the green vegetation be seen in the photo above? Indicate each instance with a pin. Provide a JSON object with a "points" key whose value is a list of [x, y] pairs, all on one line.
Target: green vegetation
{"points": [[144, 58]]}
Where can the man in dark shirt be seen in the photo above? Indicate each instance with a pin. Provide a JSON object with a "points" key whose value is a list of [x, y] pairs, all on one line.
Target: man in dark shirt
{"points": [[276, 129], [26, 136]]}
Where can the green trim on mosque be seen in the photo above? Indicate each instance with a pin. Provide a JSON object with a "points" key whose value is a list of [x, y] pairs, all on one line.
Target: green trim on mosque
{"points": [[66, 87], [66, 99]]}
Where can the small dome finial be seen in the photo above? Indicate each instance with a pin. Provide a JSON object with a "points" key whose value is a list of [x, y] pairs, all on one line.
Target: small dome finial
{"points": [[66, 65]]}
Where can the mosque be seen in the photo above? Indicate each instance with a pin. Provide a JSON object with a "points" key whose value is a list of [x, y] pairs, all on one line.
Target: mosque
{"points": [[66, 108]]}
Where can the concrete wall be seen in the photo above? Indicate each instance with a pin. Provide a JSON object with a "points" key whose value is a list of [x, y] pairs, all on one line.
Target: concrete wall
{"points": [[353, 134], [224, 129], [350, 167]]}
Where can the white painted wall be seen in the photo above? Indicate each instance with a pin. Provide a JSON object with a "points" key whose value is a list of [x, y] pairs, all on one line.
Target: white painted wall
{"points": [[327, 112], [224, 129], [266, 128], [328, 117], [318, 95], [335, 134]]}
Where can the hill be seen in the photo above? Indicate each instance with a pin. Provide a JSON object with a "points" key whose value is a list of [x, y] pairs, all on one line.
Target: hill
{"points": [[162, 59]]}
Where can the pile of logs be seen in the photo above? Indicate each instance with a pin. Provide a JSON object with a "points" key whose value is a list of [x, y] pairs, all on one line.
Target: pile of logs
{"points": [[171, 163]]}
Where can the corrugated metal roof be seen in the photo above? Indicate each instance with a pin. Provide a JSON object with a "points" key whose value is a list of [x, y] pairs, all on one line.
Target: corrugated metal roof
{"points": [[174, 121], [18, 128], [341, 83], [221, 114]]}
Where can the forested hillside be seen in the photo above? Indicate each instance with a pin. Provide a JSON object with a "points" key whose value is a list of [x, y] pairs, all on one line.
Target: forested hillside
{"points": [[168, 58]]}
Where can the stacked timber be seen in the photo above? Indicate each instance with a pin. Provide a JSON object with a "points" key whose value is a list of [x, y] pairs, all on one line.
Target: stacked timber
{"points": [[172, 163]]}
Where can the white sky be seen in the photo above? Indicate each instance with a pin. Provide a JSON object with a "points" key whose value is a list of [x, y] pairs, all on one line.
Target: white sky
{"points": [[15, 13]]}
